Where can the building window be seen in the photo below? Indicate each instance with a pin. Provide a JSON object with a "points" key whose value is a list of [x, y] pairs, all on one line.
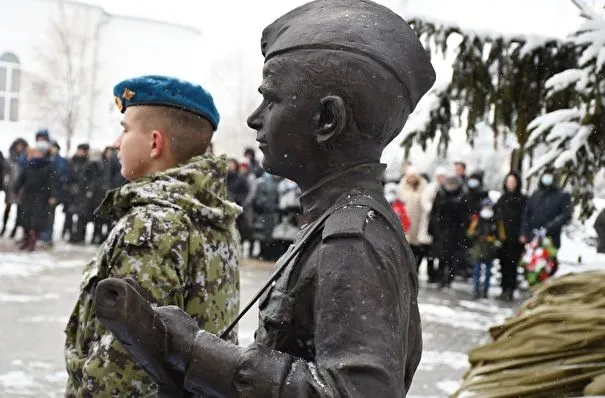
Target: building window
{"points": [[10, 85]]}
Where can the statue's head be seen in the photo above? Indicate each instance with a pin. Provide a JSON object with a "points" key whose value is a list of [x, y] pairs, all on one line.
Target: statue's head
{"points": [[339, 82]]}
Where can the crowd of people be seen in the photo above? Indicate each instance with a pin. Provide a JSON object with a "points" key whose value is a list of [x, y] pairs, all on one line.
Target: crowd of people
{"points": [[271, 206], [454, 224], [450, 220], [36, 179]]}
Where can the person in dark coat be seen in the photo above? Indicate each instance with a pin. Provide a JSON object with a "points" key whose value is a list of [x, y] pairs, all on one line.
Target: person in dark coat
{"points": [[61, 166], [248, 205], [487, 233], [80, 190], [448, 223], [37, 194], [237, 191], [111, 178], [476, 194], [2, 171], [98, 193], [599, 226], [255, 168], [509, 209], [342, 318], [548, 208], [12, 169], [266, 204]]}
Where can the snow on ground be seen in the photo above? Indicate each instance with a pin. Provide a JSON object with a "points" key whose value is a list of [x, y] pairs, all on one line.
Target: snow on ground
{"points": [[578, 245], [37, 292]]}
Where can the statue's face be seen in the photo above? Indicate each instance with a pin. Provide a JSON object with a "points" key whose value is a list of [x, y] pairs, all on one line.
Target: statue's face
{"points": [[284, 121]]}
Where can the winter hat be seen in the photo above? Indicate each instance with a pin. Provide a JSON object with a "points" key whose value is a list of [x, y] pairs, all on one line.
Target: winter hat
{"points": [[487, 202], [43, 133]]}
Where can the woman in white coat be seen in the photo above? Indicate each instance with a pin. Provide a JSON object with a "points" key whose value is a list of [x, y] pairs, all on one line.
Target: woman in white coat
{"points": [[412, 186]]}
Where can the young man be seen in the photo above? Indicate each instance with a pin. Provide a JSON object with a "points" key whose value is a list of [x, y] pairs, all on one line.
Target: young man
{"points": [[340, 79], [175, 233]]}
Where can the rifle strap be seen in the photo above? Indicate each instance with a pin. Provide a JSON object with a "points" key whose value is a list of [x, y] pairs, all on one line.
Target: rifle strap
{"points": [[361, 200]]}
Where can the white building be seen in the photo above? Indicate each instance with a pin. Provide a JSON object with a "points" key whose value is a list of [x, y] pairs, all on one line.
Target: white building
{"points": [[44, 44]]}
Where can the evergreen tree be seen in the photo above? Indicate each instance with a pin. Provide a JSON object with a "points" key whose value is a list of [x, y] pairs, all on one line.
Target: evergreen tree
{"points": [[508, 82], [573, 137]]}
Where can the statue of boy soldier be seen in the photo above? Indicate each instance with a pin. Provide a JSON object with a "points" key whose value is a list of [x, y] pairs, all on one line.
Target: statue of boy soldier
{"points": [[341, 320]]}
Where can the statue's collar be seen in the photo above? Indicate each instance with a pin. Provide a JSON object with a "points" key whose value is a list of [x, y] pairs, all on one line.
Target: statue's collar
{"points": [[323, 195]]}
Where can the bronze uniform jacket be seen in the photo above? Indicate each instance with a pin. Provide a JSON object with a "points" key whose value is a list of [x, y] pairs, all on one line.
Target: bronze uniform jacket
{"points": [[341, 321]]}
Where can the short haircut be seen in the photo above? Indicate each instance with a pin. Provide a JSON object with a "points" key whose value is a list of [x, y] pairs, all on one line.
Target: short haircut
{"points": [[460, 163], [189, 134]]}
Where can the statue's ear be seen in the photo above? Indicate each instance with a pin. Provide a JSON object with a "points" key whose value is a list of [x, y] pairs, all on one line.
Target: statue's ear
{"points": [[332, 119]]}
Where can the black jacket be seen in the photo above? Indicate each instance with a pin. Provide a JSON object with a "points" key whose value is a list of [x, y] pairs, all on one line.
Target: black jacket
{"points": [[449, 219], [237, 188], [82, 183], [510, 208], [549, 208], [36, 184]]}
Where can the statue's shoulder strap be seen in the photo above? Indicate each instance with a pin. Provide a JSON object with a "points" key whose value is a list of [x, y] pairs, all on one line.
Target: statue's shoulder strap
{"points": [[309, 232], [358, 201], [350, 219]]}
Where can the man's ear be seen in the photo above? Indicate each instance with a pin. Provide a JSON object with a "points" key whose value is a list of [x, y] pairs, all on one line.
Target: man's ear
{"points": [[332, 119], [158, 144]]}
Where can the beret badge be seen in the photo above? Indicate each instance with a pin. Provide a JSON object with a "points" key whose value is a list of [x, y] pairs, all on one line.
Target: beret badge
{"points": [[128, 94], [118, 102]]}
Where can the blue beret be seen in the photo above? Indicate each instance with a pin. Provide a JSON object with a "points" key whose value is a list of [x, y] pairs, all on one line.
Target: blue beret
{"points": [[166, 91]]}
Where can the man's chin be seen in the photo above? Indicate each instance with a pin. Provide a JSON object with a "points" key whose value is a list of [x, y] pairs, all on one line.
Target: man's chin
{"points": [[125, 174]]}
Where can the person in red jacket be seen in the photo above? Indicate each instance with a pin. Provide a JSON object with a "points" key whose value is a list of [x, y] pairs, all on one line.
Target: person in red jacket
{"points": [[391, 193]]}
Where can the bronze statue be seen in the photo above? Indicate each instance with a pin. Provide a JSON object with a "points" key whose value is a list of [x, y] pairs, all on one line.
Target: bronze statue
{"points": [[340, 79]]}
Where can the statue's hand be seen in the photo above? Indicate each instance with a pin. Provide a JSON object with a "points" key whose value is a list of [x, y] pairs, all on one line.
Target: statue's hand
{"points": [[181, 331], [162, 349]]}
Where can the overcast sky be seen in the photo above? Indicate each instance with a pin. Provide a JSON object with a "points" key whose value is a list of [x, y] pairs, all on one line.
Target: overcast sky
{"points": [[549, 17], [231, 31]]}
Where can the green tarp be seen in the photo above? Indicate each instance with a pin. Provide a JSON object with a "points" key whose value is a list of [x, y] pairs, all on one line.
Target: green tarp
{"points": [[553, 347]]}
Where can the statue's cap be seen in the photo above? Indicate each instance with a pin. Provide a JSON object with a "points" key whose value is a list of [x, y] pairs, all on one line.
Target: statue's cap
{"points": [[357, 26]]}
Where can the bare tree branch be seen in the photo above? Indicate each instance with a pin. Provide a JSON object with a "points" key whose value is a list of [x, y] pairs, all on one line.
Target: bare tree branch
{"points": [[64, 82]]}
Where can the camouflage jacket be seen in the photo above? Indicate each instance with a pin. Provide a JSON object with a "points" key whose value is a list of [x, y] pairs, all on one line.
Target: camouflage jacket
{"points": [[176, 236]]}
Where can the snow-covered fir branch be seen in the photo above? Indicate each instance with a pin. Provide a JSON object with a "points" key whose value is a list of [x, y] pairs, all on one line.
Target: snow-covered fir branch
{"points": [[574, 138], [546, 91]]}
